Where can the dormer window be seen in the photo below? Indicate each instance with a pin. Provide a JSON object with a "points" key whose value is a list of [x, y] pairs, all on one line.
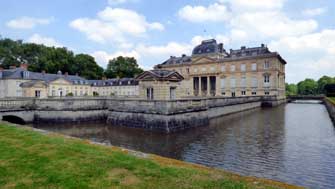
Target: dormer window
{"points": [[25, 74]]}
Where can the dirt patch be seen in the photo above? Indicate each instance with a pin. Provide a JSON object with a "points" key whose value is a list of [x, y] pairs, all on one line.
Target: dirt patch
{"points": [[125, 177]]}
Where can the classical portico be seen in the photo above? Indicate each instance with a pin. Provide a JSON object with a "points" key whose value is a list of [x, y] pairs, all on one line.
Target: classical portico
{"points": [[204, 85]]}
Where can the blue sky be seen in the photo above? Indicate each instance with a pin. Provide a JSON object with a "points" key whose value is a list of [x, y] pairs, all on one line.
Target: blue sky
{"points": [[302, 31]]}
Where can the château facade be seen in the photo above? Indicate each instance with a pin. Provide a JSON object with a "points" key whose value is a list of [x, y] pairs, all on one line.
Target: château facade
{"points": [[19, 82], [212, 71]]}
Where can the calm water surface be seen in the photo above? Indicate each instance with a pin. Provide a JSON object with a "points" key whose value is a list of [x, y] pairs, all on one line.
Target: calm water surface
{"points": [[294, 143]]}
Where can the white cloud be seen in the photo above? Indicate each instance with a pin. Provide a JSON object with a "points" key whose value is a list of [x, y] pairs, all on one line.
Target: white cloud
{"points": [[115, 25], [272, 24], [213, 13], [254, 5], [47, 41], [116, 2], [312, 54], [27, 22], [253, 19], [314, 12], [103, 57]]}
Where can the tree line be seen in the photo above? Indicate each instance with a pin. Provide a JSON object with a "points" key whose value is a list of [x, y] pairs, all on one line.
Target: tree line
{"points": [[311, 86], [51, 60]]}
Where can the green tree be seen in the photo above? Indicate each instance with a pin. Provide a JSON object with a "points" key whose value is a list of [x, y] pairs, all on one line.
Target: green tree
{"points": [[49, 59], [86, 66], [122, 67], [291, 89], [322, 82], [307, 87]]}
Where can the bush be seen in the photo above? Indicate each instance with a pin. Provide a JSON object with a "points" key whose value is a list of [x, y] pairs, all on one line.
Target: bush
{"points": [[95, 93], [330, 90], [69, 94]]}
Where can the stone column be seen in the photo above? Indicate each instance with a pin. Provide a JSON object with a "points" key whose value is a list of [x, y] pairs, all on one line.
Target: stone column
{"points": [[208, 86]]}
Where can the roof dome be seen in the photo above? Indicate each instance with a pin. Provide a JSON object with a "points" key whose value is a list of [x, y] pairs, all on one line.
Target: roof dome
{"points": [[208, 46]]}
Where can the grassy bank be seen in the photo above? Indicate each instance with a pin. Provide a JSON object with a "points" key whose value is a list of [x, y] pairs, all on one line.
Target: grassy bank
{"points": [[29, 159], [332, 99]]}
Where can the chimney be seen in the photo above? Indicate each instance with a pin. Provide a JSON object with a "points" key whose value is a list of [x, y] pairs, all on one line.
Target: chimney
{"points": [[243, 47], [12, 67], [104, 78], [262, 45], [183, 55], [66, 74], [24, 66], [43, 72]]}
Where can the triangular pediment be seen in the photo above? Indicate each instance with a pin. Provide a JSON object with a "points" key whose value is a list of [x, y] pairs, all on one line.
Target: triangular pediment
{"points": [[60, 81], [203, 59]]}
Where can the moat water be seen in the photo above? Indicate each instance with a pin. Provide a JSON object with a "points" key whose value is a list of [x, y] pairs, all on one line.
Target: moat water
{"points": [[293, 143]]}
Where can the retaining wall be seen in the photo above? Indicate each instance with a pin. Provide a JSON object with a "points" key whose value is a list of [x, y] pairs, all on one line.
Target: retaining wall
{"points": [[331, 109]]}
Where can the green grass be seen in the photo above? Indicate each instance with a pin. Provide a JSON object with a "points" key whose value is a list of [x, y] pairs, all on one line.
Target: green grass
{"points": [[332, 99], [29, 159]]}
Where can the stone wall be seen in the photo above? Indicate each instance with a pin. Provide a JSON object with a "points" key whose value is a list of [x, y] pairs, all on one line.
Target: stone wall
{"points": [[331, 109], [156, 115]]}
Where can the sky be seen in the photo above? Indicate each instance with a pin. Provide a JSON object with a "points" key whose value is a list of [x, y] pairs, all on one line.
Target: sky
{"points": [[301, 31]]}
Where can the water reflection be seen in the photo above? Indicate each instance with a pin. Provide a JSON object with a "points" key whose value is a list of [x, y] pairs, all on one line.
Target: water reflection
{"points": [[294, 143]]}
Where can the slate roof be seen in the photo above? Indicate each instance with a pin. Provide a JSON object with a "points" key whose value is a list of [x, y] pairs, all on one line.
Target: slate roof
{"points": [[20, 73], [211, 46], [114, 82], [161, 75], [32, 83]]}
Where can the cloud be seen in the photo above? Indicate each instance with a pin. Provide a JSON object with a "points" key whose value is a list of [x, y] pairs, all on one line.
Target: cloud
{"points": [[253, 19], [314, 12], [116, 2], [216, 12], [271, 24], [115, 25], [28, 22], [47, 41], [312, 54], [102, 57], [254, 5]]}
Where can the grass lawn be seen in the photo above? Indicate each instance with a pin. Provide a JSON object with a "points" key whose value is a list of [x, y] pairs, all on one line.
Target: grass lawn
{"points": [[332, 99], [30, 159]]}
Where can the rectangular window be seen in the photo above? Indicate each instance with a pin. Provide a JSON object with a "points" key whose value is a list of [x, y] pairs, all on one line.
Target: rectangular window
{"points": [[150, 93], [266, 64], [223, 68], [254, 82], [253, 66], [187, 70], [37, 93], [266, 79], [243, 93], [222, 82], [243, 82], [253, 93], [233, 94], [243, 68], [232, 68], [267, 93], [232, 83]]}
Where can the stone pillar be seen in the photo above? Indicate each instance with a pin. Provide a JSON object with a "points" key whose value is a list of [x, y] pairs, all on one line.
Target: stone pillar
{"points": [[200, 85], [208, 86]]}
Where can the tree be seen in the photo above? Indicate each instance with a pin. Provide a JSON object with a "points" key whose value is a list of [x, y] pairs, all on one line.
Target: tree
{"points": [[322, 82], [307, 87], [86, 66], [291, 89], [50, 59], [122, 67]]}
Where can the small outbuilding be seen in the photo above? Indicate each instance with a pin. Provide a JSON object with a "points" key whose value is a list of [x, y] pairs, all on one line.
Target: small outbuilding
{"points": [[160, 85]]}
